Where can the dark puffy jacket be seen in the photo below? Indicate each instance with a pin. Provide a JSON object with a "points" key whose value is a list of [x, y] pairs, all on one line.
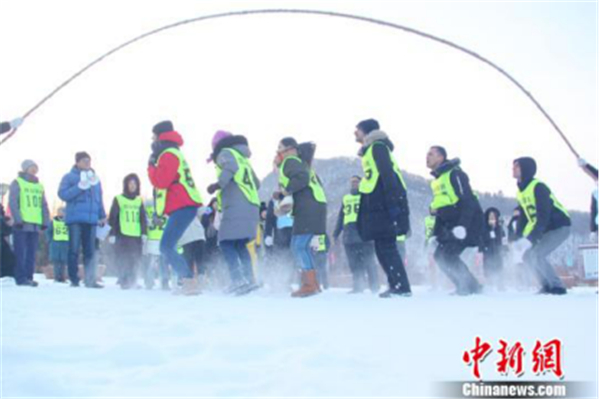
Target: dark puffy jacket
{"points": [[384, 212], [83, 206], [466, 212], [492, 236]]}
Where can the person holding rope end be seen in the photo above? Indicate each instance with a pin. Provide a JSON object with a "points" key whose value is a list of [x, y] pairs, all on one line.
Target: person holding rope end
{"points": [[175, 195], [6, 127]]}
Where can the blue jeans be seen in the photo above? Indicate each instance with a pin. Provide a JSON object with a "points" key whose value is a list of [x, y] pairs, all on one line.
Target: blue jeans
{"points": [[238, 260], [82, 235], [26, 243], [177, 224], [302, 251]]}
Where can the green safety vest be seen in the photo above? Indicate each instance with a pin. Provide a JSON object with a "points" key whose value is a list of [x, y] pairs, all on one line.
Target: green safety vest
{"points": [[443, 192], [350, 208], [155, 233], [31, 201], [314, 183], [371, 177], [129, 216], [322, 243], [244, 178], [526, 199], [60, 231], [185, 179], [429, 226]]}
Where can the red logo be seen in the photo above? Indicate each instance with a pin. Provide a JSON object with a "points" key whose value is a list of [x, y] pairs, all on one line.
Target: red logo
{"points": [[546, 358]]}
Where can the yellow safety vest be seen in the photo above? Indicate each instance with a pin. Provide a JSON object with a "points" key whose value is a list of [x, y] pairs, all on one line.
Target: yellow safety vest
{"points": [[60, 231], [31, 201], [350, 208], [314, 183], [185, 179], [129, 216], [155, 233], [526, 199], [243, 178], [371, 171], [443, 192], [322, 243]]}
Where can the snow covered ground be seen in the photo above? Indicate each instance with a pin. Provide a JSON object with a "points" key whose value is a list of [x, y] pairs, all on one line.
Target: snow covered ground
{"points": [[58, 341]]}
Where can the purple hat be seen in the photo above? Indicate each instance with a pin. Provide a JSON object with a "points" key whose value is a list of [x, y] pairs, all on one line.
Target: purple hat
{"points": [[219, 135]]}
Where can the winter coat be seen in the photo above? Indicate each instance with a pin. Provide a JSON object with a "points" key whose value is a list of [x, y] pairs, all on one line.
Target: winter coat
{"points": [[14, 204], [7, 257], [115, 210], [195, 231], [492, 237], [383, 213], [58, 250], [240, 218], [466, 212], [548, 217], [350, 230], [83, 206], [310, 216], [164, 174]]}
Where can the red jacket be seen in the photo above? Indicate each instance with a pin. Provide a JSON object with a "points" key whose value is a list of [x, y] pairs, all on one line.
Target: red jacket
{"points": [[164, 176]]}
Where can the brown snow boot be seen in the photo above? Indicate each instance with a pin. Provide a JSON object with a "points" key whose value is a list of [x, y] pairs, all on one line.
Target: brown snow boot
{"points": [[309, 286]]}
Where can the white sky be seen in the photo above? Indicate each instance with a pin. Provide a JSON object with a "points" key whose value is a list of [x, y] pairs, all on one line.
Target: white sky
{"points": [[312, 77]]}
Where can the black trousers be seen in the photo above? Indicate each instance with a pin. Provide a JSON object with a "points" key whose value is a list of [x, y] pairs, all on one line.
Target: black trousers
{"points": [[361, 259], [392, 264], [193, 253], [447, 256]]}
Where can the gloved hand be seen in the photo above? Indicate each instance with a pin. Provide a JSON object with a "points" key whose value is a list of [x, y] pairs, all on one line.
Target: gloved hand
{"points": [[269, 241], [213, 188], [84, 182], [459, 232], [112, 240], [15, 123], [581, 162], [93, 178]]}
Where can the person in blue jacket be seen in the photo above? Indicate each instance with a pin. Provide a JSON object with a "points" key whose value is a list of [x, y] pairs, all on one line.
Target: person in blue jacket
{"points": [[81, 190]]}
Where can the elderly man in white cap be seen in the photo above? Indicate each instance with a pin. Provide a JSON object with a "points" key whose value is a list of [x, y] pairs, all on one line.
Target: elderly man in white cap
{"points": [[29, 209]]}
